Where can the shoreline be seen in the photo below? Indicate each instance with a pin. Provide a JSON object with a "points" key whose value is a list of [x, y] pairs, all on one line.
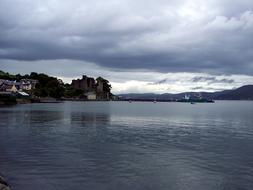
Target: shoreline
{"points": [[52, 100]]}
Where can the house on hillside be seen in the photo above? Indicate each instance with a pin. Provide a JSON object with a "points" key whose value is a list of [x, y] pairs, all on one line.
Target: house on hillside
{"points": [[9, 86], [13, 86], [28, 84]]}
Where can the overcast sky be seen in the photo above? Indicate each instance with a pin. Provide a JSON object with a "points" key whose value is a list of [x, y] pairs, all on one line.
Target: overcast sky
{"points": [[139, 45]]}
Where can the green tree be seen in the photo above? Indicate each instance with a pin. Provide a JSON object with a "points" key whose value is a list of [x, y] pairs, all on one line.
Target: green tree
{"points": [[70, 92], [47, 86]]}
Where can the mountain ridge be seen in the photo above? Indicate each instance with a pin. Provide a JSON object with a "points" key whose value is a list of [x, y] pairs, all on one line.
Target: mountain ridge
{"points": [[242, 93]]}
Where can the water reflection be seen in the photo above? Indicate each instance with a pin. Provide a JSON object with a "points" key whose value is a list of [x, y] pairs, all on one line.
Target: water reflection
{"points": [[29, 117], [89, 119], [33, 117], [41, 116]]}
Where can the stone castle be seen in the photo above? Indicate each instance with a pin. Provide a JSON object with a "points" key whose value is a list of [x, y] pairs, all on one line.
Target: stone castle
{"points": [[93, 89]]}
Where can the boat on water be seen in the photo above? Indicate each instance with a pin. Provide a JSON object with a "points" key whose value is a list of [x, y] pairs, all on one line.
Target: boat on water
{"points": [[188, 99], [196, 101]]}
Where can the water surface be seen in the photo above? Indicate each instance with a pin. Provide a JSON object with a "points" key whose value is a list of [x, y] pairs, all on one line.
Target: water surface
{"points": [[118, 145]]}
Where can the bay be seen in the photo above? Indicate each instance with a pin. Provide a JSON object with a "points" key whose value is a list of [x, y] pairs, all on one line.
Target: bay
{"points": [[121, 145]]}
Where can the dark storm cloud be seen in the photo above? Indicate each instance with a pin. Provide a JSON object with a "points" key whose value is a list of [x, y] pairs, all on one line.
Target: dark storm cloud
{"points": [[179, 36]]}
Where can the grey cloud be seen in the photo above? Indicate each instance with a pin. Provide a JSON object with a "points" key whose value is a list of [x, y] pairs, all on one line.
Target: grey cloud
{"points": [[212, 80], [226, 81], [163, 81], [201, 89], [202, 79], [197, 88], [151, 35]]}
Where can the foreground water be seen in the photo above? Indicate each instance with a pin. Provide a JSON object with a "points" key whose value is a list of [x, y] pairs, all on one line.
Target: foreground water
{"points": [[118, 145]]}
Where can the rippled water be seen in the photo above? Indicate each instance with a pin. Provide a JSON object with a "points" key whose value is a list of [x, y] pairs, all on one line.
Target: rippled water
{"points": [[118, 145]]}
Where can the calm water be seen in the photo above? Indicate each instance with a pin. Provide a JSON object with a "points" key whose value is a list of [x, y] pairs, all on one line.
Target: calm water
{"points": [[118, 145]]}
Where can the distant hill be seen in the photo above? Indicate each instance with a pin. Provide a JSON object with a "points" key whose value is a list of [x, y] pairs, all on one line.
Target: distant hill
{"points": [[242, 93]]}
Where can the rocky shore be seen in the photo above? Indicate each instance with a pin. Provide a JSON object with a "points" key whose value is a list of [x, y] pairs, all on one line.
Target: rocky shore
{"points": [[3, 184]]}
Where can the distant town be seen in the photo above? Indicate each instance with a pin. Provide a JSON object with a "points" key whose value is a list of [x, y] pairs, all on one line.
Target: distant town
{"points": [[43, 88]]}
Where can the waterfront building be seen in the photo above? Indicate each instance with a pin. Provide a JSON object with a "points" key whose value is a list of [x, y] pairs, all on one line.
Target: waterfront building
{"points": [[13, 86], [100, 86], [91, 95], [28, 84], [86, 84], [9, 86], [98, 89]]}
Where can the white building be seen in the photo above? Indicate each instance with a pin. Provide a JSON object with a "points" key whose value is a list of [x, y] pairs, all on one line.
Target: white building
{"points": [[91, 95]]}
